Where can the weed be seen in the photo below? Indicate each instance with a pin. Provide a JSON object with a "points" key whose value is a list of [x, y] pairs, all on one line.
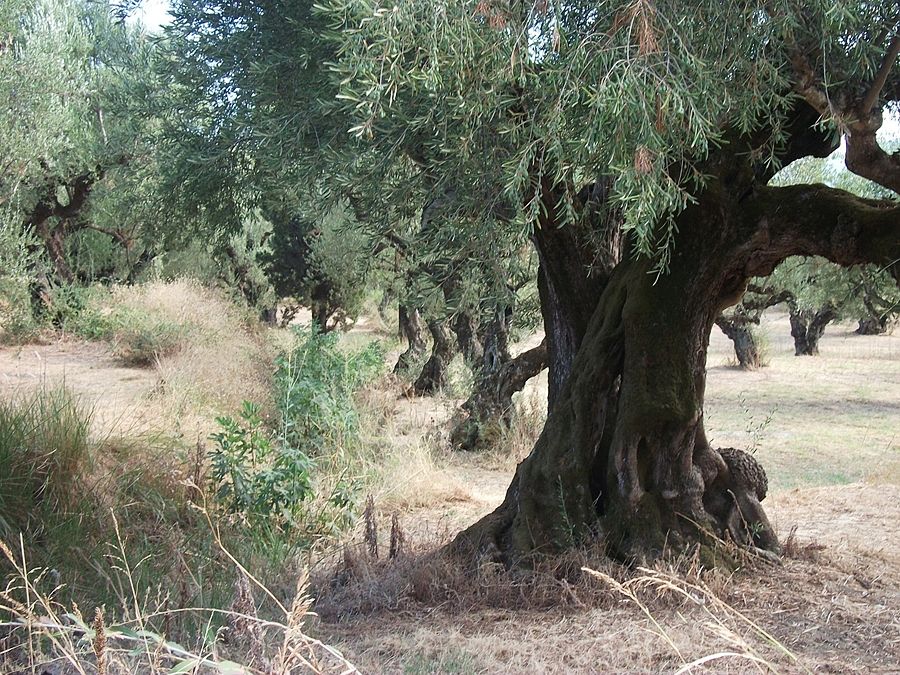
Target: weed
{"points": [[755, 428], [254, 477], [315, 384]]}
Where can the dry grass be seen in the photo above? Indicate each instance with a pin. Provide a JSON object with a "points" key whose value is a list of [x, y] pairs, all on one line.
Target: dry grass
{"points": [[833, 418], [41, 633], [820, 611], [220, 362], [407, 462]]}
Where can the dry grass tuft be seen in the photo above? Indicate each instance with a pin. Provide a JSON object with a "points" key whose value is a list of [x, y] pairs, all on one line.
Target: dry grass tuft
{"points": [[42, 632], [421, 573], [219, 359], [407, 463], [793, 548]]}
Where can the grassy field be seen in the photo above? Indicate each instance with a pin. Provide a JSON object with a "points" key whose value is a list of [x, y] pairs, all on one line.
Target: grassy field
{"points": [[826, 428]]}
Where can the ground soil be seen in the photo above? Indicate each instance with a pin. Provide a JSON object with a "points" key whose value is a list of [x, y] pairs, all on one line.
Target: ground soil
{"points": [[827, 429]]}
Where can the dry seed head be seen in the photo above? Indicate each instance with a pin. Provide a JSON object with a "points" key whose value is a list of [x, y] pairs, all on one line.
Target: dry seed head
{"points": [[397, 537], [643, 160], [99, 642], [371, 536]]}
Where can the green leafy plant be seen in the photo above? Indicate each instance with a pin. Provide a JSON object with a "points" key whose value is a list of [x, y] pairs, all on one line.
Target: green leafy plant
{"points": [[315, 385], [255, 477]]}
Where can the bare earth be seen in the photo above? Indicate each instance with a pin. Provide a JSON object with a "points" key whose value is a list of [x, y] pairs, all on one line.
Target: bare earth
{"points": [[828, 431], [115, 394]]}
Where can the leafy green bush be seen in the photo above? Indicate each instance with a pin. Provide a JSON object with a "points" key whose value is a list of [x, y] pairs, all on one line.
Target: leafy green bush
{"points": [[315, 384], [274, 477], [252, 475], [44, 447], [17, 257]]}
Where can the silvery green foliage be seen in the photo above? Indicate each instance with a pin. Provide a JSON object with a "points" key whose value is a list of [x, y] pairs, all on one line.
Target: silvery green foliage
{"points": [[583, 88], [63, 76], [73, 81], [18, 255]]}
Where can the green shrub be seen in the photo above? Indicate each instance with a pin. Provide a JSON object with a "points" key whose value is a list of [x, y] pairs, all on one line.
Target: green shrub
{"points": [[44, 449], [315, 385], [17, 258], [279, 478], [252, 475]]}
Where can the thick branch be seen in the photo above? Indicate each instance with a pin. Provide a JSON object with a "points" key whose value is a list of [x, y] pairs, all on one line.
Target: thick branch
{"points": [[118, 235], [823, 221], [868, 159], [516, 373]]}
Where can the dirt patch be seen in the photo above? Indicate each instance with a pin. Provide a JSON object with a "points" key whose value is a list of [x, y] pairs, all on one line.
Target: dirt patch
{"points": [[117, 394]]}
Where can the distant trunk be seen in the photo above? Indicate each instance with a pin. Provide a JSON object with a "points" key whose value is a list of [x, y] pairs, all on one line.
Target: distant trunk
{"points": [[872, 326], [745, 347], [54, 239], [807, 327], [320, 313], [411, 328], [489, 410], [876, 322], [384, 305], [467, 337], [435, 373]]}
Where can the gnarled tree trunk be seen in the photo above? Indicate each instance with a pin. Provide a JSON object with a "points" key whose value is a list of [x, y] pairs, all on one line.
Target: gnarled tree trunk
{"points": [[740, 334], [624, 453], [807, 327], [489, 409], [435, 373], [872, 326], [411, 328]]}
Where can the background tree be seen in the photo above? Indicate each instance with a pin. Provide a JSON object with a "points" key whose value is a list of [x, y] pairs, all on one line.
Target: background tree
{"points": [[71, 129]]}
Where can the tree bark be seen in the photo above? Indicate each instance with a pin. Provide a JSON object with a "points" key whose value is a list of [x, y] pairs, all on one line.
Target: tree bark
{"points": [[466, 329], [489, 410], [574, 268], [54, 239], [807, 327], [745, 348], [66, 215], [871, 326], [435, 373], [624, 453], [876, 323], [410, 322]]}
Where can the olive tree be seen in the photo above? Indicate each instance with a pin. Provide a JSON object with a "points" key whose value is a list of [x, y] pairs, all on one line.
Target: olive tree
{"points": [[637, 142]]}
